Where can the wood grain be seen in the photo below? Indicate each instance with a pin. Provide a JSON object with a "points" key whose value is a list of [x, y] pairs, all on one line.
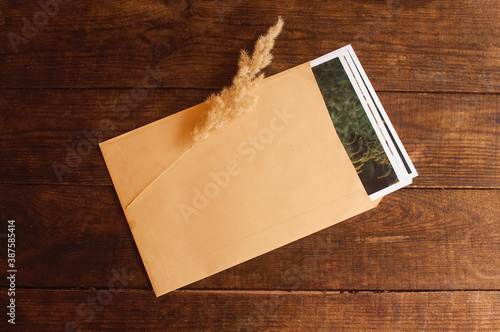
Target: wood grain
{"points": [[414, 240], [425, 259], [256, 311], [404, 45], [451, 138]]}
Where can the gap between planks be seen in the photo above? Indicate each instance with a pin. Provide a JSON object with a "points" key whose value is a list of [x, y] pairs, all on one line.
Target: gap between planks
{"points": [[263, 291]]}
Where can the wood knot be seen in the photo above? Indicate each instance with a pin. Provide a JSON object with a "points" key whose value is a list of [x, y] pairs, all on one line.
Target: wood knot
{"points": [[163, 49]]}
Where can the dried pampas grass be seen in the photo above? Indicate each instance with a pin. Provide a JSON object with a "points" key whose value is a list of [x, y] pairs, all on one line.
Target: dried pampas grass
{"points": [[237, 99], [240, 97]]}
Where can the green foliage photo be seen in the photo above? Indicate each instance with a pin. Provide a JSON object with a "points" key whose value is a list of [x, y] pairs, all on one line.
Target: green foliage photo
{"points": [[354, 127]]}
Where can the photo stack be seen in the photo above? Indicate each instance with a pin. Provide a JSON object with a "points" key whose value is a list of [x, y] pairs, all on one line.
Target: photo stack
{"points": [[362, 124]]}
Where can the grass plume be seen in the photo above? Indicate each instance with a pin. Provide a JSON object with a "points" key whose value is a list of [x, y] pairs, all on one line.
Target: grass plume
{"points": [[240, 97]]}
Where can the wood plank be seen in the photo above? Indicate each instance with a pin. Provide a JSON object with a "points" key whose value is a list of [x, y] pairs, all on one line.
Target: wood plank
{"points": [[405, 45], [414, 240], [450, 137], [256, 311]]}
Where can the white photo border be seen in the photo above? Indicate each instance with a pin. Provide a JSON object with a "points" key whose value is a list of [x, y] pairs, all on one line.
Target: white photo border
{"points": [[381, 112], [354, 72]]}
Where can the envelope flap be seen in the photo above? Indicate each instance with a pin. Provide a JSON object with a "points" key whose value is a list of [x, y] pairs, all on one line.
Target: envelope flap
{"points": [[136, 158]]}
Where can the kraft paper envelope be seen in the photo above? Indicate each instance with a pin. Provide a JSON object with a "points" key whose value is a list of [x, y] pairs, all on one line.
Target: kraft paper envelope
{"points": [[267, 178]]}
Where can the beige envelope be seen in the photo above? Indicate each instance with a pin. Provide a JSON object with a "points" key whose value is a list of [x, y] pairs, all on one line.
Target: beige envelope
{"points": [[264, 179]]}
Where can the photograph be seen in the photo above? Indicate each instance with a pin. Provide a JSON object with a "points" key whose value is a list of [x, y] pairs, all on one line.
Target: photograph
{"points": [[354, 127]]}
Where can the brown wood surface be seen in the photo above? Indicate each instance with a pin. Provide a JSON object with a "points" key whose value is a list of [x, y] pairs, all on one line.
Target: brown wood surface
{"points": [[417, 45], [261, 311], [427, 258], [448, 136], [414, 240]]}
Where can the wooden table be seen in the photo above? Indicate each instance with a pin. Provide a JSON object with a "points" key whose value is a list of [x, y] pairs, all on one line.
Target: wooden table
{"points": [[428, 258]]}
